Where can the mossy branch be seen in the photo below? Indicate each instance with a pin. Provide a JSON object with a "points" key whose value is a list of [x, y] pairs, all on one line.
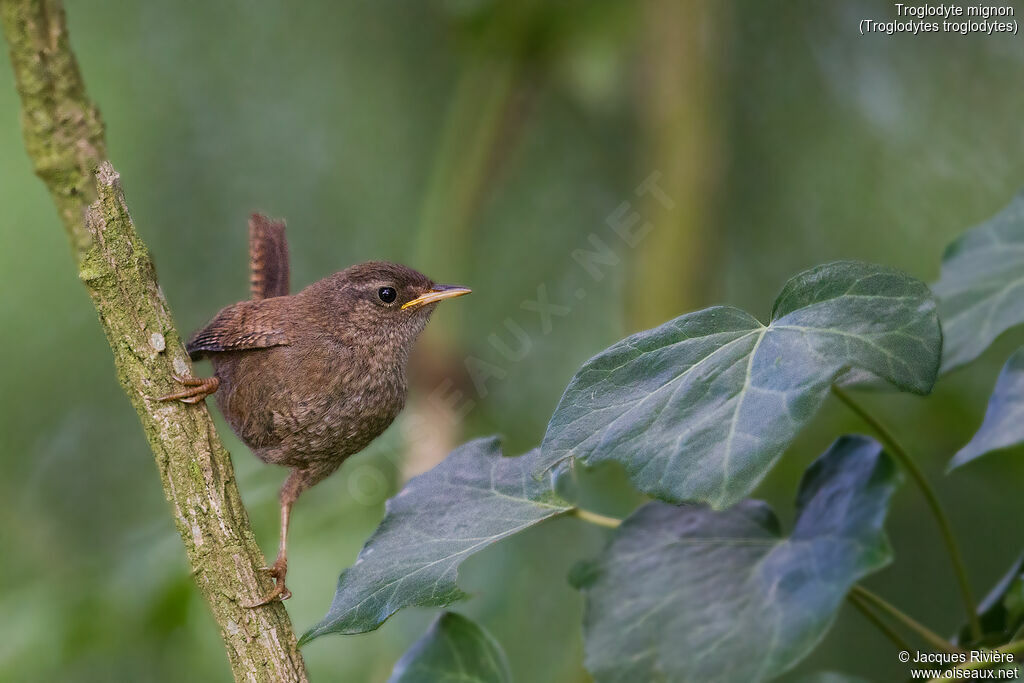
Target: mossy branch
{"points": [[64, 138], [195, 468]]}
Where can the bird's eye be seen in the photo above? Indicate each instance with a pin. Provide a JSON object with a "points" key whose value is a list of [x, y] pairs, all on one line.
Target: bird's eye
{"points": [[387, 294]]}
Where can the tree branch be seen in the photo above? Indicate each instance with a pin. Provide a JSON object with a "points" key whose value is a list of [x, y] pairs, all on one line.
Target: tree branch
{"points": [[62, 127], [64, 137], [194, 467]]}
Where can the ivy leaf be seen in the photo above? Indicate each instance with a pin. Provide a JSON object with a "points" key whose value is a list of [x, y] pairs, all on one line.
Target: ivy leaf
{"points": [[981, 287], [453, 650], [1001, 612], [685, 593], [1003, 425], [475, 497], [700, 408]]}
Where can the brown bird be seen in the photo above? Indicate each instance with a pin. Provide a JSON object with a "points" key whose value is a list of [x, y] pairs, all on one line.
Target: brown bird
{"points": [[309, 379]]}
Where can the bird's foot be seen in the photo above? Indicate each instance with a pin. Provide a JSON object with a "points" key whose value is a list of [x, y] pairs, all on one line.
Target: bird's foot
{"points": [[280, 592], [196, 389]]}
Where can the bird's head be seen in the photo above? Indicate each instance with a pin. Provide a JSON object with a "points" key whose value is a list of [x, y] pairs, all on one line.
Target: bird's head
{"points": [[382, 302]]}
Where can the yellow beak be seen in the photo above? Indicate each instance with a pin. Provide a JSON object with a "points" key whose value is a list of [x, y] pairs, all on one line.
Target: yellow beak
{"points": [[437, 293]]}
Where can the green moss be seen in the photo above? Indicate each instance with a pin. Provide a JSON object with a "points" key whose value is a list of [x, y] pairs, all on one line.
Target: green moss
{"points": [[197, 474]]}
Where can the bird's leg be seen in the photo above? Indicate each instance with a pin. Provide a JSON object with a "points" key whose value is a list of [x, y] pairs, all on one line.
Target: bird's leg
{"points": [[196, 389], [279, 570], [293, 486]]}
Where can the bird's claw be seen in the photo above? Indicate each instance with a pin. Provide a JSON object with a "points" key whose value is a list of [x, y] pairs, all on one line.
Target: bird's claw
{"points": [[280, 592], [196, 389]]}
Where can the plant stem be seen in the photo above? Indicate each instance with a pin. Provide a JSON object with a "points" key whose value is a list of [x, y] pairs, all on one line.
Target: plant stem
{"points": [[889, 632], [933, 639], [893, 446], [1013, 648], [594, 518]]}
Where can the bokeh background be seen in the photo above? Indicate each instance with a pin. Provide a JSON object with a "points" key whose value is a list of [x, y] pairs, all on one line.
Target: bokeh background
{"points": [[482, 141]]}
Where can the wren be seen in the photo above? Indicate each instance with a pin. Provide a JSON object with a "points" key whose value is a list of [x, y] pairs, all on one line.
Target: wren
{"points": [[309, 379]]}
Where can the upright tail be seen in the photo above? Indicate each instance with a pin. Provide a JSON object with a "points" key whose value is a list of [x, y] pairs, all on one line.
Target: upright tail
{"points": [[268, 258]]}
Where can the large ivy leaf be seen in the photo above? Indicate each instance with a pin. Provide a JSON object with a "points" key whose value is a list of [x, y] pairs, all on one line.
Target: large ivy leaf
{"points": [[981, 287], [1003, 425], [690, 594], [1001, 612], [453, 650], [700, 408], [475, 497]]}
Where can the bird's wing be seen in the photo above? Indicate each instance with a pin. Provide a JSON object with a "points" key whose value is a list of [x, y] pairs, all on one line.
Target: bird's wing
{"points": [[268, 258], [244, 326]]}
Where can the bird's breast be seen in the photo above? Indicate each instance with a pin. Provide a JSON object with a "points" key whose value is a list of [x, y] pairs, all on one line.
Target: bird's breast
{"points": [[313, 405]]}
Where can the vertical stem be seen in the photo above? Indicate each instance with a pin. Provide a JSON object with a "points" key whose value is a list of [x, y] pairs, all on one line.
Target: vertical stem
{"points": [[893, 446], [681, 119]]}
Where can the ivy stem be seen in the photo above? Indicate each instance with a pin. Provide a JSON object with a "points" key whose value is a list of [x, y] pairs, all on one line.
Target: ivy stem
{"points": [[1013, 648], [880, 624], [893, 446], [594, 518], [933, 638]]}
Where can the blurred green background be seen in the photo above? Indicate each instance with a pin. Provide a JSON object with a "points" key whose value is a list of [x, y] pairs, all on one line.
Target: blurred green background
{"points": [[482, 142]]}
